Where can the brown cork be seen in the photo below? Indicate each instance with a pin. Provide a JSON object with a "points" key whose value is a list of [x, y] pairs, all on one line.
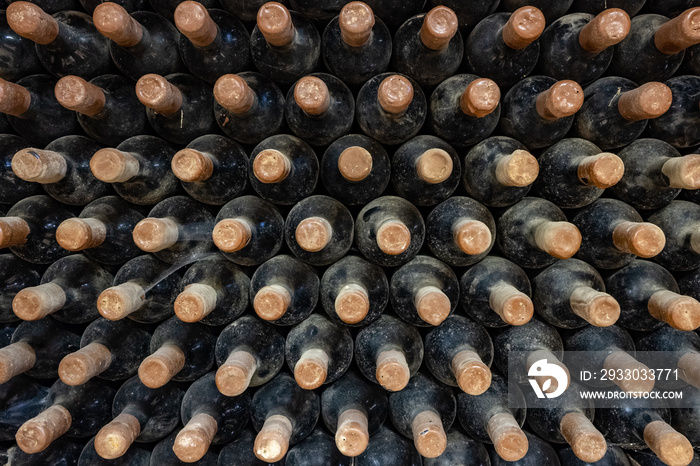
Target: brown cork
{"points": [[620, 360], [74, 93], [272, 442], [352, 435], [195, 302], [160, 367], [355, 163], [352, 303], [558, 239], [36, 302], [429, 434], [271, 302], [507, 437], [88, 362], [156, 93], [313, 234], [678, 311], [472, 236], [683, 172], [639, 238], [356, 21], [16, 359], [518, 169], [13, 231], [472, 375], [31, 22], [480, 98], [114, 439], [312, 96], [311, 370], [561, 100], [689, 368], [231, 234], [595, 307], [439, 27], [432, 304], [40, 166], [233, 93], [191, 165], [552, 382], [677, 34], [38, 433], [193, 441], [602, 170], [275, 23], [670, 446], [395, 94], [434, 166], [77, 234], [524, 26], [586, 441], [650, 100], [233, 377], [115, 23], [393, 237], [14, 99], [511, 304], [155, 234], [610, 27], [392, 370], [193, 21], [114, 166], [271, 166], [119, 301]]}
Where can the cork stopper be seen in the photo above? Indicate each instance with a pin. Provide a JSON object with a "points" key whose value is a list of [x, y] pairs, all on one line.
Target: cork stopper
{"points": [[393, 237], [16, 359], [432, 304], [114, 439], [650, 100], [683, 172], [311, 370], [639, 238], [677, 34], [195, 302], [14, 99], [356, 21], [551, 383], [312, 96], [395, 94], [272, 442], [40, 166], [524, 26], [193, 441], [114, 22], [355, 163], [114, 166], [472, 237], [602, 170], [88, 362], [233, 377], [36, 302], [119, 301], [558, 239], [271, 166], [233, 93], [507, 437], [689, 368], [155, 234], [610, 27], [473, 376], [191, 165], [160, 367], [275, 23], [352, 304], [74, 93], [156, 93], [511, 304], [678, 311], [434, 166], [439, 27], [271, 302], [561, 100], [518, 169], [392, 370], [13, 231], [31, 22], [313, 234], [352, 435], [480, 98], [595, 307], [38, 433], [586, 441], [620, 360], [77, 234], [429, 435], [231, 234], [193, 21], [670, 446]]}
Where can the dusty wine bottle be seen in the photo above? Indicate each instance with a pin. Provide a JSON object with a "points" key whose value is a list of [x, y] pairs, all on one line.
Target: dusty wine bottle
{"points": [[14, 189], [614, 456], [134, 456], [682, 347], [679, 221], [388, 448], [163, 451], [240, 450], [538, 452], [24, 398], [678, 126], [15, 275], [20, 54], [318, 449]]}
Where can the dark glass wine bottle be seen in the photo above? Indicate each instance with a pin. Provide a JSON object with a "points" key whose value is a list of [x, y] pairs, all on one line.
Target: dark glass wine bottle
{"points": [[614, 456], [679, 221], [14, 189], [19, 54], [539, 452], [240, 450], [679, 125], [15, 275], [163, 453], [395, 12], [649, 458], [22, 399], [683, 349], [318, 449], [134, 456], [388, 448]]}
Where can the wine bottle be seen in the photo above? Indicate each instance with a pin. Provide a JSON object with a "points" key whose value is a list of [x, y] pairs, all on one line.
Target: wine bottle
{"points": [[354, 291], [14, 189], [319, 230], [594, 7], [283, 169], [679, 221], [355, 169], [178, 106], [141, 414], [66, 42], [66, 288], [240, 450], [141, 42], [461, 450], [614, 456], [108, 350], [176, 228], [678, 125], [649, 458], [395, 13], [534, 233], [102, 231], [163, 453], [16, 275], [284, 290], [391, 108], [685, 419], [389, 231], [138, 169], [539, 110], [389, 352], [20, 59], [249, 353], [356, 45], [283, 414], [574, 173], [319, 108], [210, 418], [22, 399], [499, 171], [318, 449], [248, 230], [180, 351], [284, 45], [166, 9], [248, 106], [388, 448], [134, 456], [682, 348], [539, 452], [510, 36], [580, 46], [213, 291]]}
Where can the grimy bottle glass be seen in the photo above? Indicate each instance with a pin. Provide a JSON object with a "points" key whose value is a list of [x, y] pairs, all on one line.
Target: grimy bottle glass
{"points": [[679, 221], [14, 188]]}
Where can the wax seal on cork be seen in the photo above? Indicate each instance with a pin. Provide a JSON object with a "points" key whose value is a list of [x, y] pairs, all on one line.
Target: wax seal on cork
{"points": [[356, 21], [115, 23], [275, 23], [395, 94], [524, 26], [439, 27], [233, 93]]}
